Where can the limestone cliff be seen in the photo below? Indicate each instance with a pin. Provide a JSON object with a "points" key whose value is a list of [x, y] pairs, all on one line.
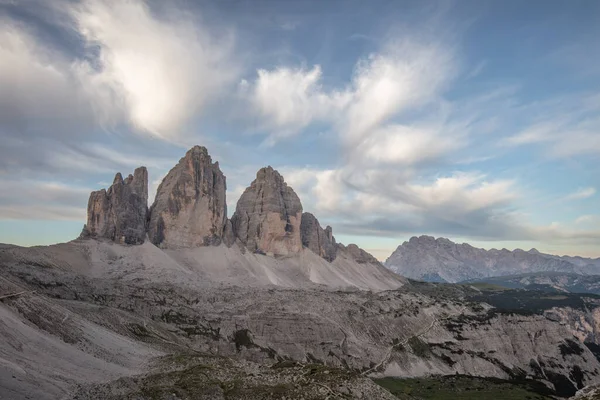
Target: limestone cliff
{"points": [[317, 239], [268, 216], [120, 213], [189, 209]]}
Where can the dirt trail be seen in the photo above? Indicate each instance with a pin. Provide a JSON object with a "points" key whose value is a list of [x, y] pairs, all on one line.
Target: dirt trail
{"points": [[388, 354]]}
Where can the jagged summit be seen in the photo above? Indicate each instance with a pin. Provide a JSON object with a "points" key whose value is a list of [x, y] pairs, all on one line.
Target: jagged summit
{"points": [[268, 215], [428, 258], [190, 211], [119, 213], [317, 239]]}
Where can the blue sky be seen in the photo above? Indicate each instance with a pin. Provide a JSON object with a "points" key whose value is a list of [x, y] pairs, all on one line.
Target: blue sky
{"points": [[474, 120]]}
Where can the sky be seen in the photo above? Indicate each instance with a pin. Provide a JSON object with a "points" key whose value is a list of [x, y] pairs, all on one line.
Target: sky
{"points": [[478, 121]]}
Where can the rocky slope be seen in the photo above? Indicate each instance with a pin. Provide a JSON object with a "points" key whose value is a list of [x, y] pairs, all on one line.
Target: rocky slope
{"points": [[87, 310], [441, 260], [190, 208], [119, 213]]}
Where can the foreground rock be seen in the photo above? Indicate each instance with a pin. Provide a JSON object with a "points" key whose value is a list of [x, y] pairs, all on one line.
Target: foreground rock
{"points": [[268, 216], [317, 239], [198, 377], [120, 213], [190, 209]]}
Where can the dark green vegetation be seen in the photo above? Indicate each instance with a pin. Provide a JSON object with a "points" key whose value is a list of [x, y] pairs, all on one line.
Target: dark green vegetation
{"points": [[462, 387], [528, 302], [191, 377], [546, 281], [489, 287]]}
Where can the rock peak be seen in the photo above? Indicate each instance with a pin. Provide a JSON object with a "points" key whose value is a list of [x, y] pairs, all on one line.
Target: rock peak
{"points": [[120, 213], [189, 209], [268, 215], [118, 178], [320, 241], [269, 175], [197, 150]]}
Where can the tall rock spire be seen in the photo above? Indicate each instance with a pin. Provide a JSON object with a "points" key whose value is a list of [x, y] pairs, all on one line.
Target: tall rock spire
{"points": [[317, 239], [268, 215], [189, 209], [120, 213]]}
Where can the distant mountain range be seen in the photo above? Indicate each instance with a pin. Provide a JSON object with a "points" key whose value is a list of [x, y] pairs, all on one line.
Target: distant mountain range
{"points": [[441, 260]]}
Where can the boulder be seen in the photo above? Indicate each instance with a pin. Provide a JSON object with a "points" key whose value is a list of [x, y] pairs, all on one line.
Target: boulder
{"points": [[317, 239], [268, 216], [189, 209], [120, 213]]}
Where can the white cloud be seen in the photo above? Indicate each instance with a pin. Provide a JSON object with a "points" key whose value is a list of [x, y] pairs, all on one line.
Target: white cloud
{"points": [[290, 99], [587, 219], [163, 70], [563, 127], [363, 196], [401, 144], [540, 132], [580, 194], [403, 76], [388, 203]]}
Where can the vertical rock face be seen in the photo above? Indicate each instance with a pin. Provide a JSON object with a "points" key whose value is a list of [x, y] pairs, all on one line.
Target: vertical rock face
{"points": [[189, 209], [120, 213], [268, 216], [317, 239]]}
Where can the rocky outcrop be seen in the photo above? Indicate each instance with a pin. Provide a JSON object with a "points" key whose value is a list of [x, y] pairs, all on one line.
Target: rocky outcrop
{"points": [[268, 216], [189, 209], [358, 254], [317, 239], [120, 213]]}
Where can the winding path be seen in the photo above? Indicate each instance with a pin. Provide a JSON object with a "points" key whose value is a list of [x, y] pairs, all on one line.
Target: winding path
{"points": [[405, 341]]}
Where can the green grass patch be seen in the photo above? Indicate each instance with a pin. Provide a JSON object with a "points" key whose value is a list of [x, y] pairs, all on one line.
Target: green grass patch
{"points": [[462, 387], [488, 287]]}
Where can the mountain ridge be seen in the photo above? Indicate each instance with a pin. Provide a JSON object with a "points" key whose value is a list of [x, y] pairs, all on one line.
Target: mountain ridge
{"points": [[441, 260], [190, 211]]}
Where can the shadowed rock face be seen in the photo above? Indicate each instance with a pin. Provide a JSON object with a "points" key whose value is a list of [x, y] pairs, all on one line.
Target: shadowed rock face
{"points": [[317, 239], [359, 255], [190, 209], [268, 215], [120, 213]]}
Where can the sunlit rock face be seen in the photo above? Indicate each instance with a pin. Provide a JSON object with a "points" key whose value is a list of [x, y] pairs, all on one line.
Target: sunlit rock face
{"points": [[268, 216], [120, 213], [190, 209]]}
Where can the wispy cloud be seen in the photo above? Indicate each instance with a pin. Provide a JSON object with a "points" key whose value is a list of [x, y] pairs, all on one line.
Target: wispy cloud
{"points": [[567, 127], [403, 76], [580, 194]]}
